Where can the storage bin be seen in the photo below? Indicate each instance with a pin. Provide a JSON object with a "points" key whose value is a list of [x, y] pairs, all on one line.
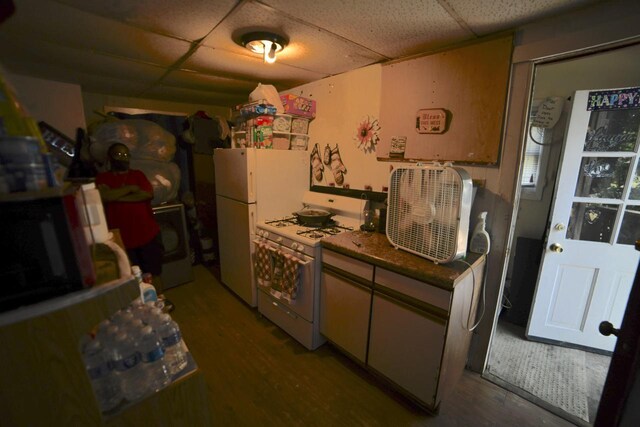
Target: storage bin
{"points": [[299, 142], [300, 125], [282, 123], [22, 167], [240, 140], [281, 141]]}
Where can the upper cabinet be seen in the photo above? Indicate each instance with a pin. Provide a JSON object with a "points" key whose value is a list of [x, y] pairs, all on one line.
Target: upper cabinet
{"points": [[448, 106]]}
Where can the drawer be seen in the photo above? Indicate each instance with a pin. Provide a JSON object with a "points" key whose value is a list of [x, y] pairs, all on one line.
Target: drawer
{"points": [[348, 264], [414, 288], [289, 321]]}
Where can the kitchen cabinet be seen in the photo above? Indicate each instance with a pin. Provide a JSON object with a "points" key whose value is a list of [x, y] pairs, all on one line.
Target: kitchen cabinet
{"points": [[417, 326], [43, 378], [406, 345], [345, 302]]}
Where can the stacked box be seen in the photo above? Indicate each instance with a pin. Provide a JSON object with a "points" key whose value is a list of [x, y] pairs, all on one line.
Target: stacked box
{"points": [[299, 106]]}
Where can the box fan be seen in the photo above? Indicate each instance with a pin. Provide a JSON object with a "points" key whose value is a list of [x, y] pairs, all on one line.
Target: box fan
{"points": [[428, 211]]}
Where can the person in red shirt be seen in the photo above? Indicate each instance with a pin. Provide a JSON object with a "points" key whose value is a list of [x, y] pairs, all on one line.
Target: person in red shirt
{"points": [[126, 194]]}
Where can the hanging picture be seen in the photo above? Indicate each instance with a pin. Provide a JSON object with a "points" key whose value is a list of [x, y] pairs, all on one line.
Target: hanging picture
{"points": [[367, 134], [431, 120]]}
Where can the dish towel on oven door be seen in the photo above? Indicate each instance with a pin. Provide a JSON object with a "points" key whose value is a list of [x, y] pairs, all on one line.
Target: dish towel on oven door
{"points": [[290, 276], [263, 264]]}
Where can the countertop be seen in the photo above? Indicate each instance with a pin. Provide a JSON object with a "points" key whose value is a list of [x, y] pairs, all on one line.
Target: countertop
{"points": [[375, 248]]}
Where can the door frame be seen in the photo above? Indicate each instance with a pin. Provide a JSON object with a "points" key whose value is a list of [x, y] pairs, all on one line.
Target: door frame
{"points": [[518, 105]]}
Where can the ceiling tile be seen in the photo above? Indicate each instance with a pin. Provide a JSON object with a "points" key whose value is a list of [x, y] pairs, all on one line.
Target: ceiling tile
{"points": [[491, 16], [390, 28], [309, 48], [84, 61], [200, 81], [190, 20], [38, 20], [88, 81], [220, 62], [194, 96]]}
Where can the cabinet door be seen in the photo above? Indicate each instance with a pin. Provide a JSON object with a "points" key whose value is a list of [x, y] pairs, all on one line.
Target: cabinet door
{"points": [[345, 305], [406, 346]]}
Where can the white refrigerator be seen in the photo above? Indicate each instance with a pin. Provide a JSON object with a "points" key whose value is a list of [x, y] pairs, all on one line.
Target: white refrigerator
{"points": [[253, 185]]}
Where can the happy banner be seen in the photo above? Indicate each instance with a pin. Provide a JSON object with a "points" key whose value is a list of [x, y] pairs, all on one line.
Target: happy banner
{"points": [[618, 99]]}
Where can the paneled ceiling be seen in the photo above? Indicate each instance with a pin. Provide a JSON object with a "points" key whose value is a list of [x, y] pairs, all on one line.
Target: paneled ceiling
{"points": [[184, 51]]}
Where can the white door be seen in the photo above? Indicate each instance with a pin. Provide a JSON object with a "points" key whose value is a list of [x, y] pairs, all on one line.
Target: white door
{"points": [[589, 259]]}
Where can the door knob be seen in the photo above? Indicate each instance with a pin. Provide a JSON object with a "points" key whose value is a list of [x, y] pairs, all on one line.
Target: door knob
{"points": [[606, 329], [556, 247]]}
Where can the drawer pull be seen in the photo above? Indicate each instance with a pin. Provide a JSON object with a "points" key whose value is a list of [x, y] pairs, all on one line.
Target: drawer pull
{"points": [[287, 312]]}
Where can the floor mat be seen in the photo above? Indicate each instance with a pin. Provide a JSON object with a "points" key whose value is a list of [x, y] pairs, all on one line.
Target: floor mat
{"points": [[554, 374]]}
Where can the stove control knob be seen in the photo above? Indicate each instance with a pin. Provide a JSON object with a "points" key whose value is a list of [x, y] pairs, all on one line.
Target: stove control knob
{"points": [[300, 248], [265, 234], [260, 232], [279, 240], [294, 246]]}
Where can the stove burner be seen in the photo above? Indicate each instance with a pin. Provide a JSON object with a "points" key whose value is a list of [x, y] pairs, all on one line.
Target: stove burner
{"points": [[331, 228], [284, 222], [323, 231]]}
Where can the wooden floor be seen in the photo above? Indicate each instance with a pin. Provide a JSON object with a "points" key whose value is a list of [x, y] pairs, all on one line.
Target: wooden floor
{"points": [[258, 375]]}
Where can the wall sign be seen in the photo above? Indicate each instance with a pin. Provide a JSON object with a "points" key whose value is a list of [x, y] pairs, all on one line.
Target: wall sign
{"points": [[431, 120], [614, 99]]}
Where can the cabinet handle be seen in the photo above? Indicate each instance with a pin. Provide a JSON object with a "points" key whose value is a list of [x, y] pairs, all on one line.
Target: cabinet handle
{"points": [[281, 308], [427, 310], [343, 275]]}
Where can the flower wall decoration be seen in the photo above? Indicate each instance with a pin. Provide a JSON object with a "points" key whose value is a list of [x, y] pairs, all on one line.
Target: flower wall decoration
{"points": [[367, 134]]}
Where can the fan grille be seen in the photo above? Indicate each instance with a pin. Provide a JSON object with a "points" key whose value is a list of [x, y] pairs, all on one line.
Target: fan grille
{"points": [[424, 211]]}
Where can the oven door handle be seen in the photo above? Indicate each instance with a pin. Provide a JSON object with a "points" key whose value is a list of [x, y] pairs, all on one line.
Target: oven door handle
{"points": [[284, 309]]}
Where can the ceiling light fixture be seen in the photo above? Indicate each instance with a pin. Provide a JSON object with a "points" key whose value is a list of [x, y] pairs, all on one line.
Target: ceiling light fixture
{"points": [[265, 43]]}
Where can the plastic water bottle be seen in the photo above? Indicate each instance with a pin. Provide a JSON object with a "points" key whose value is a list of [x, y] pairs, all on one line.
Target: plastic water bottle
{"points": [[137, 273], [105, 384], [153, 358], [154, 318], [121, 317], [174, 354], [129, 368], [148, 291], [106, 333], [102, 328], [92, 215]]}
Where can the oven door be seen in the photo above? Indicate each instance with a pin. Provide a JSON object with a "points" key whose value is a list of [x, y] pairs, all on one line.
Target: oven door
{"points": [[300, 303]]}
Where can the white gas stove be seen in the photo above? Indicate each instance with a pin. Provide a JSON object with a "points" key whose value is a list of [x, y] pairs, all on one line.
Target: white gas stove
{"points": [[284, 240], [287, 230]]}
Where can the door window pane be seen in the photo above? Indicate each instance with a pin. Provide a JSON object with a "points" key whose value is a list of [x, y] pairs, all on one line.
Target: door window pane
{"points": [[630, 229], [615, 130], [592, 222], [602, 177], [634, 194]]}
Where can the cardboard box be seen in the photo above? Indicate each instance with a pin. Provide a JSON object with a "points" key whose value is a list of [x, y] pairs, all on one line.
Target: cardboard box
{"points": [[298, 106]]}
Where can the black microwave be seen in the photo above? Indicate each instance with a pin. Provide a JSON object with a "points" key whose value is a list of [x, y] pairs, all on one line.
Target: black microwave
{"points": [[44, 251]]}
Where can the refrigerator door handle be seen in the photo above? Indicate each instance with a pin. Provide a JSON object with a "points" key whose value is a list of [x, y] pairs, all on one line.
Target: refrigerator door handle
{"points": [[252, 222], [252, 186]]}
